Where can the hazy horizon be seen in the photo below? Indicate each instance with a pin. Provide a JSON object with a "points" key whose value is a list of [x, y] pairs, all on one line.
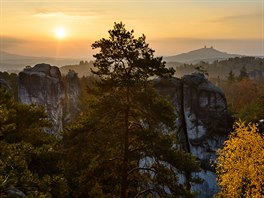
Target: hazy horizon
{"points": [[66, 29]]}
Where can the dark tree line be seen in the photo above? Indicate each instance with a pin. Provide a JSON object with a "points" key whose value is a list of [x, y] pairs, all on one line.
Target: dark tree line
{"points": [[221, 68]]}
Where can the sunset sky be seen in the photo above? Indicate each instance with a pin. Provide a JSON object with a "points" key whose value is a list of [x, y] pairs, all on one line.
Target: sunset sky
{"points": [[68, 28]]}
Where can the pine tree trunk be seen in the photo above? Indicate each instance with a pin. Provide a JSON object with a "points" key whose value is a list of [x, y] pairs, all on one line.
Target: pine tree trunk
{"points": [[124, 183]]}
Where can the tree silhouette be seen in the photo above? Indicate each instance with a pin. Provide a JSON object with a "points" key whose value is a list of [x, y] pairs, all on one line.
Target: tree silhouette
{"points": [[243, 74], [231, 76], [129, 126]]}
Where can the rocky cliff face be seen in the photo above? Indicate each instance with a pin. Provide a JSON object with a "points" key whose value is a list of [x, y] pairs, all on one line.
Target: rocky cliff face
{"points": [[203, 122], [43, 85], [72, 90], [201, 108]]}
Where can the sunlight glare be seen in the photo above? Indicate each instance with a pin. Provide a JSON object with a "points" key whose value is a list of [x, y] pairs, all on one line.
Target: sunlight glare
{"points": [[60, 33]]}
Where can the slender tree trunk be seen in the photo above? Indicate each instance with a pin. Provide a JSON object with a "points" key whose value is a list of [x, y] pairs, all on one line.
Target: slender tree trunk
{"points": [[124, 183]]}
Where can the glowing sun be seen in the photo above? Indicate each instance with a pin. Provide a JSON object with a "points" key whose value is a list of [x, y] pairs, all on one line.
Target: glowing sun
{"points": [[60, 32]]}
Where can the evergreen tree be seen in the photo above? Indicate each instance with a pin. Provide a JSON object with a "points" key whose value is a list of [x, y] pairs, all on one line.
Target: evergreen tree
{"points": [[127, 139], [243, 74], [28, 159], [231, 77]]}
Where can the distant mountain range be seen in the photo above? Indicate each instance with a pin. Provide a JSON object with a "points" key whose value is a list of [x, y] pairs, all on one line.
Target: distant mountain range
{"points": [[14, 62], [202, 54]]}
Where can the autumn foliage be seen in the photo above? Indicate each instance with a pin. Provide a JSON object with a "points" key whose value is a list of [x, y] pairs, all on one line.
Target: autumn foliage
{"points": [[240, 164]]}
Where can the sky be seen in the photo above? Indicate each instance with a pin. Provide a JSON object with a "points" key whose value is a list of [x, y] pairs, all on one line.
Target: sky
{"points": [[56, 28]]}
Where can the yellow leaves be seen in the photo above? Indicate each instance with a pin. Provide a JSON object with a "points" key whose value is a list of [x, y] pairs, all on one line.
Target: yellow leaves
{"points": [[240, 164]]}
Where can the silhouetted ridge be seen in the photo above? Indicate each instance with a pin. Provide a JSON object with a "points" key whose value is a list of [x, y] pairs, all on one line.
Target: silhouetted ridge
{"points": [[202, 54]]}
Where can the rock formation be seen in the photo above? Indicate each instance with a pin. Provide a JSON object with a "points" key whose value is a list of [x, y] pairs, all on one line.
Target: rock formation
{"points": [[15, 193], [201, 108], [203, 122], [72, 93], [43, 85]]}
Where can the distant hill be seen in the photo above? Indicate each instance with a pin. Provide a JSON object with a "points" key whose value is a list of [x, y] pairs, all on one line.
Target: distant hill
{"points": [[202, 54], [14, 62]]}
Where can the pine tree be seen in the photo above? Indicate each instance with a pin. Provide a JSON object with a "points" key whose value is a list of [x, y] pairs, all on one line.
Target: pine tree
{"points": [[28, 159], [243, 74], [128, 136], [231, 77]]}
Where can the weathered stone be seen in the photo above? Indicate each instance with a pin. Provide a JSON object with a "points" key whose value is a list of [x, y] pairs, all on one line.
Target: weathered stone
{"points": [[71, 108], [55, 72], [43, 68], [203, 122], [42, 85], [15, 193]]}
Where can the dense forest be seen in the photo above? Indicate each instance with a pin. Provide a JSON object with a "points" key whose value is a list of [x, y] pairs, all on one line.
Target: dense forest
{"points": [[123, 142], [252, 65]]}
